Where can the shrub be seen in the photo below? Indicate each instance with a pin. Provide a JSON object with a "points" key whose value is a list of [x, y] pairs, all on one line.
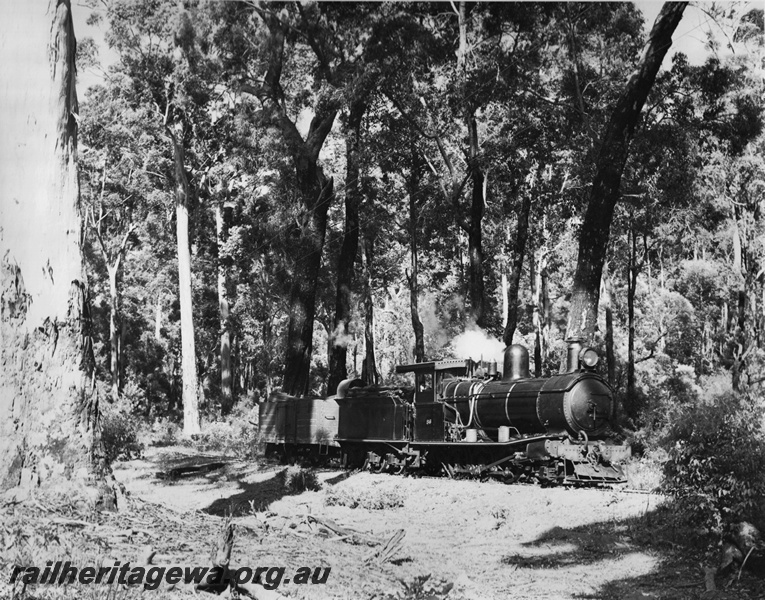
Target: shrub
{"points": [[644, 471], [714, 469], [120, 433], [373, 498], [237, 435], [298, 479]]}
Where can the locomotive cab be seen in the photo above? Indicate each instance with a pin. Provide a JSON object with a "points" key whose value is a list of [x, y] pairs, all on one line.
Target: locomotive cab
{"points": [[428, 411]]}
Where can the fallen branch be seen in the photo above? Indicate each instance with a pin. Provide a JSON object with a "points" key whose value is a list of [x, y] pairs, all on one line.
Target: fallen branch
{"points": [[389, 550], [356, 537]]}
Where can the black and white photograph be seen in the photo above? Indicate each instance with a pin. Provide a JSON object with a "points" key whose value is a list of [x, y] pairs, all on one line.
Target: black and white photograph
{"points": [[378, 300]]}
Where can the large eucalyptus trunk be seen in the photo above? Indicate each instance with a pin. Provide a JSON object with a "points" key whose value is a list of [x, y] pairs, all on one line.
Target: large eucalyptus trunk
{"points": [[338, 352], [49, 425], [315, 194], [305, 277], [614, 149], [190, 386]]}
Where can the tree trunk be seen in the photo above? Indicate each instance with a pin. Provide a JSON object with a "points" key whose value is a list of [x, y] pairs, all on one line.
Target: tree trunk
{"points": [[338, 354], [49, 422], [369, 372], [630, 405], [514, 281], [537, 270], [475, 249], [158, 319], [594, 234], [191, 423], [226, 393], [610, 358], [113, 335], [302, 307], [474, 223], [315, 194], [414, 290], [739, 269]]}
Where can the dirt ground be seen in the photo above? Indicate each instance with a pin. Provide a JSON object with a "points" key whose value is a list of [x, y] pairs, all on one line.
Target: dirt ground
{"points": [[462, 539]]}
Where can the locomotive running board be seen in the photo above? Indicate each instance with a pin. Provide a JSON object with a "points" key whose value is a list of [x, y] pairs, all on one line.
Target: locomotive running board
{"points": [[388, 442]]}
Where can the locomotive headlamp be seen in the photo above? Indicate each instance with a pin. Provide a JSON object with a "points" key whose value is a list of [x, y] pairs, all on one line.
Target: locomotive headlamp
{"points": [[588, 358]]}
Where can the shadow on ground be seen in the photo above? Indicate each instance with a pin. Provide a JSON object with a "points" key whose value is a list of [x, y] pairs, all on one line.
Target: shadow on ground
{"points": [[252, 497], [677, 571]]}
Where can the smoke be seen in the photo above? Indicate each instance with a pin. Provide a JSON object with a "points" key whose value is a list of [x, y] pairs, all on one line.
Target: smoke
{"points": [[476, 344], [339, 338]]}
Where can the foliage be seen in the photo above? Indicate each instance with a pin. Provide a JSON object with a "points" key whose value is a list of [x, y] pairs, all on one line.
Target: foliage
{"points": [[524, 102], [297, 480], [120, 431], [644, 471], [236, 436], [369, 497], [714, 469]]}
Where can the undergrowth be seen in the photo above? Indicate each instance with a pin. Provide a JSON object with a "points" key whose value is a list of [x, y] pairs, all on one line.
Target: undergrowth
{"points": [[372, 498], [297, 479]]}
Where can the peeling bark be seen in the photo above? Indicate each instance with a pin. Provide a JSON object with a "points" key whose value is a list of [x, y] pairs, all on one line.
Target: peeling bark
{"points": [[49, 422]]}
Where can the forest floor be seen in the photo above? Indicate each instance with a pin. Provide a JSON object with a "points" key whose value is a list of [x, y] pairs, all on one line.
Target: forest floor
{"points": [[462, 539]]}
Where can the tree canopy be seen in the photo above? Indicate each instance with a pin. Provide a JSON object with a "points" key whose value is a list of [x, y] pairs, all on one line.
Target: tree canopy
{"points": [[366, 182]]}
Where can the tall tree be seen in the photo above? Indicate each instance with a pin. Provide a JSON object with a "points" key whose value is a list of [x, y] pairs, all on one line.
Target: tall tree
{"points": [[413, 191], [165, 55], [348, 250], [614, 149], [324, 43], [49, 422], [221, 229], [316, 192]]}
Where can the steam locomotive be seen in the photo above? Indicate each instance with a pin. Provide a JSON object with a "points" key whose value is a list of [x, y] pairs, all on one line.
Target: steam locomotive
{"points": [[462, 419]]}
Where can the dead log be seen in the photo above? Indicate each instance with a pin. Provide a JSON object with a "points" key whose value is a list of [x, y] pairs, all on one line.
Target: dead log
{"points": [[185, 471]]}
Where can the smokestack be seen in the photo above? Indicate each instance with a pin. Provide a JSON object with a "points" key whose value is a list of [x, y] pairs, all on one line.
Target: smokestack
{"points": [[572, 357], [516, 365]]}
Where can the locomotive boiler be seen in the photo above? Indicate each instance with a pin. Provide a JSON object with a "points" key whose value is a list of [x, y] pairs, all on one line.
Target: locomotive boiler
{"points": [[464, 419]]}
